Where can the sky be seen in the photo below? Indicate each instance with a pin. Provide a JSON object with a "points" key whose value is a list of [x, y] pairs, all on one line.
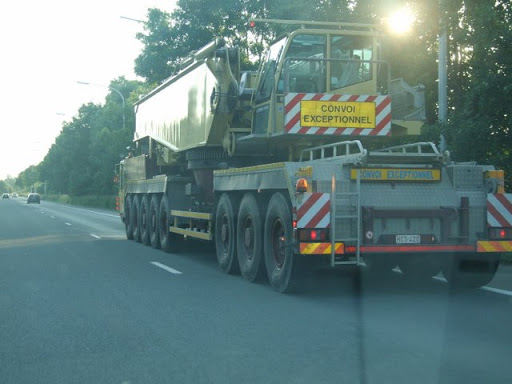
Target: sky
{"points": [[47, 46]]}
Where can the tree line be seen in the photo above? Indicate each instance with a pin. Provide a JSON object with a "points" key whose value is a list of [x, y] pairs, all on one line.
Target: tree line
{"points": [[83, 157]]}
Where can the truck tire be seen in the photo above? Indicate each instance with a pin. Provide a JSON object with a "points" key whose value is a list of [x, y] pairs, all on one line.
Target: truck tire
{"points": [[283, 268], [144, 220], [135, 218], [169, 242], [249, 238], [154, 206], [471, 270], [225, 235], [127, 217]]}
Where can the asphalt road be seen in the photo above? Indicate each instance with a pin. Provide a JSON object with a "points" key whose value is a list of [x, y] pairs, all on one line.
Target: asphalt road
{"points": [[80, 304]]}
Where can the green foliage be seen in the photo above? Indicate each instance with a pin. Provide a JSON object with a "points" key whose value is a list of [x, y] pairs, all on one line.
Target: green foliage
{"points": [[92, 201], [84, 155], [481, 85], [4, 188], [27, 178], [159, 48]]}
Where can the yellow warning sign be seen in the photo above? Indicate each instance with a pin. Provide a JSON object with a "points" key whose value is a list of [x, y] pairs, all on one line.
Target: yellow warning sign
{"points": [[337, 114], [304, 171], [400, 174]]}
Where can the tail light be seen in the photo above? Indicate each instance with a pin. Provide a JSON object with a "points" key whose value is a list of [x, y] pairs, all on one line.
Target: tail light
{"points": [[314, 235], [500, 233]]}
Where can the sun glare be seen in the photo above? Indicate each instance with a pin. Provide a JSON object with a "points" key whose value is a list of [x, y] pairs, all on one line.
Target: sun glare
{"points": [[401, 21]]}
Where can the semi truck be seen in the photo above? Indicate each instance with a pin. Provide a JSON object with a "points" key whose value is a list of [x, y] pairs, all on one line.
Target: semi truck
{"points": [[307, 161]]}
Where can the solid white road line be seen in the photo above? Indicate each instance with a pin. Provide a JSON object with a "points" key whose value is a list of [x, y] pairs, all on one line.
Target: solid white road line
{"points": [[496, 290], [485, 288], [95, 236], [95, 212], [168, 269]]}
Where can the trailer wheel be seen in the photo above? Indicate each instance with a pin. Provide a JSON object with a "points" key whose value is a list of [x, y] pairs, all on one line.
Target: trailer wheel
{"points": [[471, 270], [282, 266], [249, 238], [225, 235], [135, 218], [144, 220], [127, 217], [154, 205], [169, 242]]}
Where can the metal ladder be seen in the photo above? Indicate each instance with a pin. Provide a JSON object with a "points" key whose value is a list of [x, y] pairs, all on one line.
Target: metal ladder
{"points": [[348, 201]]}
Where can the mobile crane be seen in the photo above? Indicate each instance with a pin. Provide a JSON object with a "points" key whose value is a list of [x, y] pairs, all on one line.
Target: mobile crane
{"points": [[274, 167]]}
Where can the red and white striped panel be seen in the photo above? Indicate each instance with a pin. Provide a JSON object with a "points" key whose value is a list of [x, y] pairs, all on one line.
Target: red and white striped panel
{"points": [[314, 211], [499, 210], [382, 115]]}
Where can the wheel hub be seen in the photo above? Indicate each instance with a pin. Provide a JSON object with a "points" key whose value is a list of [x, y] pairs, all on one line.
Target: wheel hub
{"points": [[278, 244], [224, 232]]}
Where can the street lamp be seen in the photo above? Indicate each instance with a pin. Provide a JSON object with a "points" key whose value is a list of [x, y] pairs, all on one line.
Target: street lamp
{"points": [[132, 19], [442, 69], [113, 89]]}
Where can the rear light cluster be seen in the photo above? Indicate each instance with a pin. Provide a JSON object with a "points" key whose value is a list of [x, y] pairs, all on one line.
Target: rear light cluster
{"points": [[314, 235], [500, 233]]}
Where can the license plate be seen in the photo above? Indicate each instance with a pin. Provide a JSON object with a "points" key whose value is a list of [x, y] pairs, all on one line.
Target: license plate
{"points": [[408, 239]]}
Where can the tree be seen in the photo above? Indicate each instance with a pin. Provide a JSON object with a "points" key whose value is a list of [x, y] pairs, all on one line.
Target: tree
{"points": [[3, 186], [83, 157], [480, 83], [28, 178], [159, 48]]}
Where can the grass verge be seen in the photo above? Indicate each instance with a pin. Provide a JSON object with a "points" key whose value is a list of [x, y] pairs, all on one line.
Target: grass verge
{"points": [[102, 201]]}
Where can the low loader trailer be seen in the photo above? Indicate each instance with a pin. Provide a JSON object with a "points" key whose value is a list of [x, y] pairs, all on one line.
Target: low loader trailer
{"points": [[293, 166]]}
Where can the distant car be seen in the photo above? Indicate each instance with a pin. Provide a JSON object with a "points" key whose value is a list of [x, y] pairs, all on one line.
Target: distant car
{"points": [[5, 196], [34, 198], [14, 195]]}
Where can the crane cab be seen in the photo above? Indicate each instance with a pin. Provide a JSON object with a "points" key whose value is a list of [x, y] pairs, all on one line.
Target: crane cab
{"points": [[340, 69]]}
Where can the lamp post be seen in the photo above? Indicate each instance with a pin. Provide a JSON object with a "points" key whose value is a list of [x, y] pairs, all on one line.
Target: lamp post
{"points": [[442, 69], [113, 89], [132, 19]]}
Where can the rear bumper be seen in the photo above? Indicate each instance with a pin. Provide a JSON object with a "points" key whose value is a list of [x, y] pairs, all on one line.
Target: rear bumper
{"points": [[494, 246], [342, 249]]}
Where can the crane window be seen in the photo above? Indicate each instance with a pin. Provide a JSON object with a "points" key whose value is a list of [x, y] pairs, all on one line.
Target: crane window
{"points": [[351, 60], [304, 66], [268, 71]]}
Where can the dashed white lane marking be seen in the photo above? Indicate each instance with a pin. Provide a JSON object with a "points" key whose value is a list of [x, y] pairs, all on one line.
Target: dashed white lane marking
{"points": [[68, 224], [95, 236], [165, 267]]}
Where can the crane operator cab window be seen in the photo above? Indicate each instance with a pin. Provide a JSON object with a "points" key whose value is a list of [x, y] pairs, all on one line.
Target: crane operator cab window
{"points": [[304, 65], [350, 60], [268, 71], [311, 65]]}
